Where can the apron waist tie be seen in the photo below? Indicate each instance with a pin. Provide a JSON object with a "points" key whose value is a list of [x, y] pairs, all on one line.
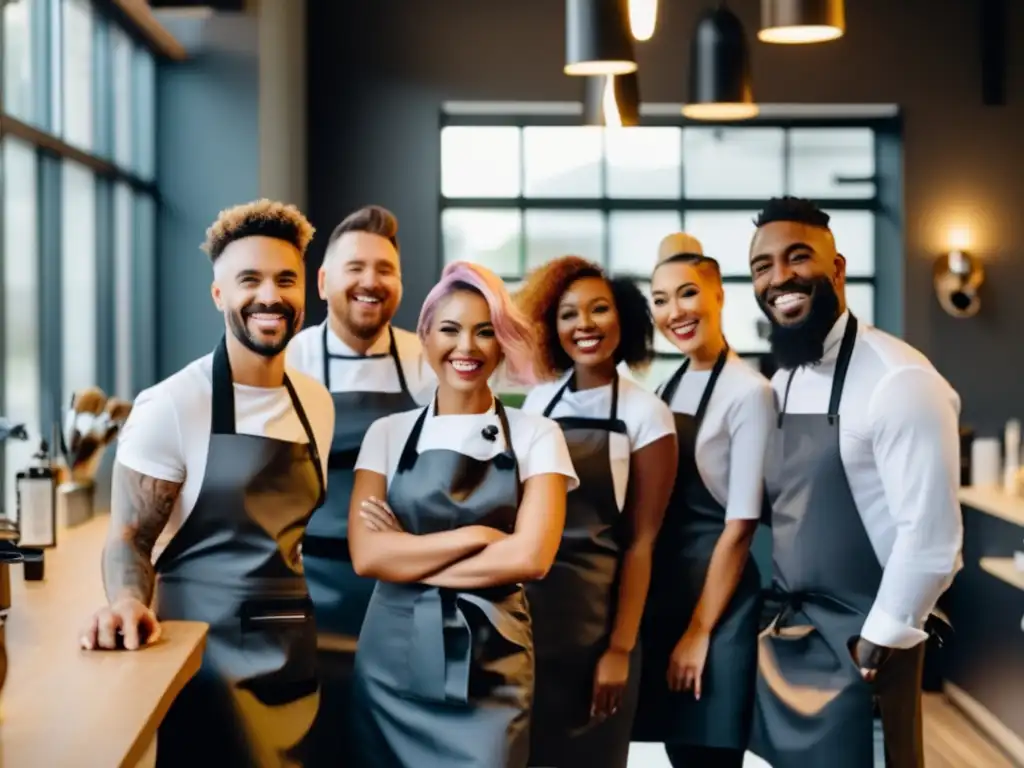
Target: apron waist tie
{"points": [[443, 642]]}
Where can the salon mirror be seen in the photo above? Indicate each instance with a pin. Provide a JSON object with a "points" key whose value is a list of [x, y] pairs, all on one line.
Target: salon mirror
{"points": [[958, 278]]}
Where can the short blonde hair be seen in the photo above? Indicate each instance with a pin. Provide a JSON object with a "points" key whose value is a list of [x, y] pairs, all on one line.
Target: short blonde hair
{"points": [[266, 218]]}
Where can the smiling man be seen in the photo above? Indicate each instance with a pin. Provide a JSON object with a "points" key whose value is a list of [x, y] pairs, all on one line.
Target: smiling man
{"points": [[862, 474], [225, 462], [372, 370]]}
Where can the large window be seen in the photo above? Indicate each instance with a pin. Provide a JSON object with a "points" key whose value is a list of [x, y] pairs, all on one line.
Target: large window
{"points": [[78, 202], [515, 195], [21, 359]]}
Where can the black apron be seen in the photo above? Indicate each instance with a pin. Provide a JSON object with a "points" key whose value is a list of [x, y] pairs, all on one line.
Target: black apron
{"points": [[813, 706], [444, 677], [694, 522], [340, 596], [235, 564], [573, 609]]}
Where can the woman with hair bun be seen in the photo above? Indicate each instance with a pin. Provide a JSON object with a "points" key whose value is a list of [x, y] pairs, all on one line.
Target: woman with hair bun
{"points": [[587, 611], [455, 506]]}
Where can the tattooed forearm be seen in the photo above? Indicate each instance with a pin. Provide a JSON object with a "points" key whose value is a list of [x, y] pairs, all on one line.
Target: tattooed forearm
{"points": [[140, 507]]}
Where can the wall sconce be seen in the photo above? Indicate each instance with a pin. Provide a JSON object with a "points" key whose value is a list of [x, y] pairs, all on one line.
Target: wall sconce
{"points": [[957, 278]]}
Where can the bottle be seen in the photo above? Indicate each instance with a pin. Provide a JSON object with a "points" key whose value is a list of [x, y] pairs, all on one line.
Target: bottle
{"points": [[1012, 464], [36, 489]]}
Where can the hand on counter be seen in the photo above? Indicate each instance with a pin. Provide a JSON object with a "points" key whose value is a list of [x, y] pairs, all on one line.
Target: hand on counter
{"points": [[126, 623], [869, 658]]}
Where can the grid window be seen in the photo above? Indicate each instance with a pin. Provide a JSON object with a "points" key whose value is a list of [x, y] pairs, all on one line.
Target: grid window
{"points": [[515, 196]]}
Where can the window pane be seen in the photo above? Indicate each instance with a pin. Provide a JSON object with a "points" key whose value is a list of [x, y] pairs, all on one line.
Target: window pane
{"points": [[77, 80], [144, 289], [78, 278], [733, 163], [741, 317], [657, 373], [122, 51], [479, 161], [22, 80], [144, 112], [634, 238], [550, 234], [644, 162], [818, 155], [124, 225], [726, 237], [855, 239], [487, 237], [22, 383], [562, 162], [860, 298]]}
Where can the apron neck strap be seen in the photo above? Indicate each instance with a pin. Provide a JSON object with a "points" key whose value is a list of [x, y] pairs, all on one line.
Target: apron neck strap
{"points": [[614, 413], [408, 457], [838, 376], [668, 392], [392, 353]]}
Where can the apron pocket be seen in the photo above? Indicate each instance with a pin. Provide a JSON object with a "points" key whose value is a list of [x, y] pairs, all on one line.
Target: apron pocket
{"points": [[278, 643]]}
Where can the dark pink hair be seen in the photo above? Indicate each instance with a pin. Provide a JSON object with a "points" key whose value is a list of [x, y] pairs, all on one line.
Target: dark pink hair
{"points": [[513, 330]]}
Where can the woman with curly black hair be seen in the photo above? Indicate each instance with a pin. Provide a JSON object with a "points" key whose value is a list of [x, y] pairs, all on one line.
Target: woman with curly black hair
{"points": [[587, 611]]}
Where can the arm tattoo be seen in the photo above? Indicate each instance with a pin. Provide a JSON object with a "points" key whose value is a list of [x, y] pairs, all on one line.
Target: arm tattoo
{"points": [[140, 508]]}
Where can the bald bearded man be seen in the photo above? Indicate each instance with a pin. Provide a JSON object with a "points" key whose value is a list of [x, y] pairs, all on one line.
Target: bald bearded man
{"points": [[372, 370]]}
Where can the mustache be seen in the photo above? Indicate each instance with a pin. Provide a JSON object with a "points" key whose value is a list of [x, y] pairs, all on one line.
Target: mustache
{"points": [[793, 285], [277, 308]]}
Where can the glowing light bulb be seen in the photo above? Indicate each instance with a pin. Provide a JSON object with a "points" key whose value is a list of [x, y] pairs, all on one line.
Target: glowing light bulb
{"points": [[643, 17]]}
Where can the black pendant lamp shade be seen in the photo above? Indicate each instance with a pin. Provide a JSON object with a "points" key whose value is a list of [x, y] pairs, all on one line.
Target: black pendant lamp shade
{"points": [[597, 38], [801, 21], [612, 101], [720, 80]]}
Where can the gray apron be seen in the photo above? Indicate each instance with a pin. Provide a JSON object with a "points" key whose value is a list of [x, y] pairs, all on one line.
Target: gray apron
{"points": [[813, 707], [444, 677], [235, 564], [340, 596], [573, 609], [694, 522]]}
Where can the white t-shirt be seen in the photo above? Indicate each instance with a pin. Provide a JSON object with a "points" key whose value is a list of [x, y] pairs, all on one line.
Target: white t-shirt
{"points": [[734, 435], [899, 441], [647, 418], [367, 374], [167, 434], [538, 442]]}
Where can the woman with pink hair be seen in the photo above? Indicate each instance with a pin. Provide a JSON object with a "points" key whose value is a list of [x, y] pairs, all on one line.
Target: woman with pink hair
{"points": [[455, 506]]}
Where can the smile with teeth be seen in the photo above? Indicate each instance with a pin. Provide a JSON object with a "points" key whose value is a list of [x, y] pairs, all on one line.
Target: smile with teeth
{"points": [[588, 343], [267, 320], [464, 365], [686, 328], [365, 299], [787, 301]]}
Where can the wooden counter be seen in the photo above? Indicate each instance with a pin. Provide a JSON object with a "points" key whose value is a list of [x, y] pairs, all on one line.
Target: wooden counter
{"points": [[62, 706], [992, 501]]}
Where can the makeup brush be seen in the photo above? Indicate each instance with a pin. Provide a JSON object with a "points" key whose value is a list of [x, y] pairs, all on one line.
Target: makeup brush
{"points": [[83, 432], [117, 411]]}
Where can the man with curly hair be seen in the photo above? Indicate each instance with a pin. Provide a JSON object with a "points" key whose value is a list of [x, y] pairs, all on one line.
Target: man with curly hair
{"points": [[221, 465]]}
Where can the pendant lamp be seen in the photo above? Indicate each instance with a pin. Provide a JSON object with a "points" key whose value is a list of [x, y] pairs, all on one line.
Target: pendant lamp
{"points": [[597, 38], [643, 18], [720, 80], [801, 21], [612, 101]]}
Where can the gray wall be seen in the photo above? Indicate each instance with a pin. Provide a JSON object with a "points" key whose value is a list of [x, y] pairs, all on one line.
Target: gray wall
{"points": [[378, 73], [208, 150]]}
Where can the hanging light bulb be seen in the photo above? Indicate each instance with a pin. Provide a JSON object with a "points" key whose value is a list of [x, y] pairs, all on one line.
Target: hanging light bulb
{"points": [[720, 81], [597, 41], [643, 17], [794, 22], [612, 101]]}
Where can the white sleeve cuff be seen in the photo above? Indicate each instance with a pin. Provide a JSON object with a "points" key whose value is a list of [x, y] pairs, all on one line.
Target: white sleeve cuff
{"points": [[882, 629]]}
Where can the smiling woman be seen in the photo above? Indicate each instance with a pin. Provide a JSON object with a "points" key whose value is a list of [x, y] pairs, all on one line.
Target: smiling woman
{"points": [[454, 506], [622, 441]]}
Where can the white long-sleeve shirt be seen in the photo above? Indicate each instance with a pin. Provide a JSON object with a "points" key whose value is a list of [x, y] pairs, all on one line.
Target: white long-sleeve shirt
{"points": [[900, 447]]}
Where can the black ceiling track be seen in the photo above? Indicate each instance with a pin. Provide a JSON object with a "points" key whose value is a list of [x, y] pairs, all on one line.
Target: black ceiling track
{"points": [[993, 52]]}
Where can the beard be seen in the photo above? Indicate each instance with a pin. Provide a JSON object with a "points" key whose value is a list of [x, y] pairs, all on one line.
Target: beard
{"points": [[361, 329], [804, 342], [237, 321]]}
